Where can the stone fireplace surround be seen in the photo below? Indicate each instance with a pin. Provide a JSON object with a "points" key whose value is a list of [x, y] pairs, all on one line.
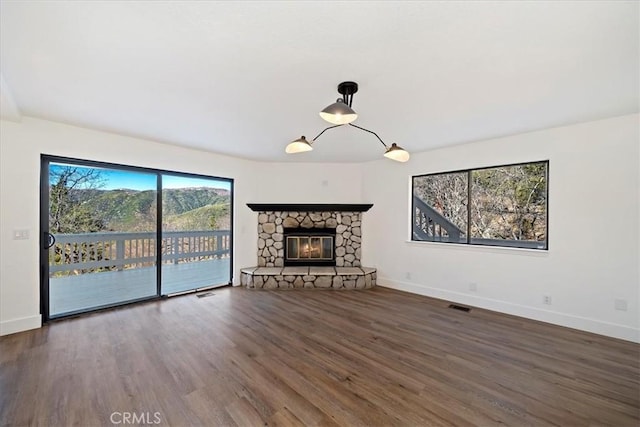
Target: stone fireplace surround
{"points": [[271, 273]]}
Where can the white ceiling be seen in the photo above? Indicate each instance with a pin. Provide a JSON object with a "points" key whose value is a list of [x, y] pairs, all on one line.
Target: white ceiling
{"points": [[245, 78]]}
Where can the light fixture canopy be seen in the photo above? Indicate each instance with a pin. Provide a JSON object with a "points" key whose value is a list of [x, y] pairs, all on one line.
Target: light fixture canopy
{"points": [[339, 114], [300, 145]]}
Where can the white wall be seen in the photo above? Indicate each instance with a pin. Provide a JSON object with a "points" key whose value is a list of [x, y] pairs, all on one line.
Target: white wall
{"points": [[22, 143], [593, 230], [311, 183], [593, 219]]}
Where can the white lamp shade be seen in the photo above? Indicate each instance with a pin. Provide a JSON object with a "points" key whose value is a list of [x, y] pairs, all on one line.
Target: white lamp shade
{"points": [[338, 113], [300, 145], [397, 153]]}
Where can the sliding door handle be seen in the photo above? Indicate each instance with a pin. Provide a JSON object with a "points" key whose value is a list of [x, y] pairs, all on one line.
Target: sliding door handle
{"points": [[50, 240]]}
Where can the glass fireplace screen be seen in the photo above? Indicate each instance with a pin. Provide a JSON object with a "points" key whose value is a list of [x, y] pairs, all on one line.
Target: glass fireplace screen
{"points": [[309, 247]]}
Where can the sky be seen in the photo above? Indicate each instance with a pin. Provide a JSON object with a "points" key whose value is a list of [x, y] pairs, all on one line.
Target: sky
{"points": [[120, 179]]}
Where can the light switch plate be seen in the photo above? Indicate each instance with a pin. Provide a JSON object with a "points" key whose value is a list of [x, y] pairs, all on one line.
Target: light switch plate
{"points": [[20, 234]]}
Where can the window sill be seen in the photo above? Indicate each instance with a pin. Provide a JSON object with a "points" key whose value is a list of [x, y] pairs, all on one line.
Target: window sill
{"points": [[481, 248]]}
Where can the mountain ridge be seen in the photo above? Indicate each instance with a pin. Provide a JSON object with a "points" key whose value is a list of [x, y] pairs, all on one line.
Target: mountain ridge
{"points": [[193, 208]]}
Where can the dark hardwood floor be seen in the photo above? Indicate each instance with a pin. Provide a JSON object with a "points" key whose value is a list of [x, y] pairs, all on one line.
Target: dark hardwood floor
{"points": [[375, 357]]}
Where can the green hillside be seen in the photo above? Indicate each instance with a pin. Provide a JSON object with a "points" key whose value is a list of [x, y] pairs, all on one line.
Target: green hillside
{"points": [[210, 217], [178, 201], [131, 210], [125, 209]]}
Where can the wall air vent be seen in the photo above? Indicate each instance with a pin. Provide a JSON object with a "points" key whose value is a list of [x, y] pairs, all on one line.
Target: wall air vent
{"points": [[205, 294]]}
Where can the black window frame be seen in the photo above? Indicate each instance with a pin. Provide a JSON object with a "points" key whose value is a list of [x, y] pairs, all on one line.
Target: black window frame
{"points": [[469, 240]]}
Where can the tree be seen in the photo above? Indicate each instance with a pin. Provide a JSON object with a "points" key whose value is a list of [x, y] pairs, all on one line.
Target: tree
{"points": [[69, 213], [507, 202], [447, 194]]}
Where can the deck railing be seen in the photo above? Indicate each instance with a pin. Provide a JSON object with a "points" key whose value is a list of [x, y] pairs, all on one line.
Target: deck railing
{"points": [[429, 225], [87, 252]]}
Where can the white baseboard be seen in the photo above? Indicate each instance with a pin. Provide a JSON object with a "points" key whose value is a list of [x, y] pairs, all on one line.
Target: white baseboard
{"points": [[18, 325], [576, 322]]}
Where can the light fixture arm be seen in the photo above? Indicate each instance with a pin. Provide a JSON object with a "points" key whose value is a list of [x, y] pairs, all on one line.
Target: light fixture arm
{"points": [[323, 131], [370, 131], [355, 126]]}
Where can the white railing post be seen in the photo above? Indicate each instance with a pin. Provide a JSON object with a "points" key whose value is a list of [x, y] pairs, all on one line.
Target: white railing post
{"points": [[120, 253], [174, 249]]}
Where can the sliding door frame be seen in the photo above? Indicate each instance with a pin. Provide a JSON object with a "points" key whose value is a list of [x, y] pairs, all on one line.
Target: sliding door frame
{"points": [[46, 160]]}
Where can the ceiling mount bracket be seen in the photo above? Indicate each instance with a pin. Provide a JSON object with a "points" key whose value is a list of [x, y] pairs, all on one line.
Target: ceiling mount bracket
{"points": [[347, 89]]}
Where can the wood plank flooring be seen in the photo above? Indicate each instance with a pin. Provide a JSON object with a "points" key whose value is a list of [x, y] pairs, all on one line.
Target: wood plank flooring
{"points": [[376, 357]]}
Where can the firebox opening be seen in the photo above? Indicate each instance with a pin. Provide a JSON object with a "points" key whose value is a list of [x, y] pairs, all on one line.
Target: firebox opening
{"points": [[314, 246]]}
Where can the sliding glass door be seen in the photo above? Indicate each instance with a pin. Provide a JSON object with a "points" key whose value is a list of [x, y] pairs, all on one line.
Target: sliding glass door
{"points": [[101, 237], [196, 233], [101, 224]]}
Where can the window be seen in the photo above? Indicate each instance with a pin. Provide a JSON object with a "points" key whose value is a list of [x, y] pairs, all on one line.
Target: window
{"points": [[495, 206]]}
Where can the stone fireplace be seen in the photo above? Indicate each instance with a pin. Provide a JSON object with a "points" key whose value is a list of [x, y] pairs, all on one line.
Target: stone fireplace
{"points": [[335, 220], [310, 246]]}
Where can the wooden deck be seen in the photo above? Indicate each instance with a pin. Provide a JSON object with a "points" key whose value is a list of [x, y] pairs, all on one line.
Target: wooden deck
{"points": [[74, 293]]}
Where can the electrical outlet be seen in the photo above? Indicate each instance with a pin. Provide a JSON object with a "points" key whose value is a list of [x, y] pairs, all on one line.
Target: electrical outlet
{"points": [[620, 304], [546, 299], [473, 287]]}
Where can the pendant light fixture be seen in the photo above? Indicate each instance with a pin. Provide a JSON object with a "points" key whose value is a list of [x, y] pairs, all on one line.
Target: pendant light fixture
{"points": [[300, 145], [340, 113], [396, 153]]}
